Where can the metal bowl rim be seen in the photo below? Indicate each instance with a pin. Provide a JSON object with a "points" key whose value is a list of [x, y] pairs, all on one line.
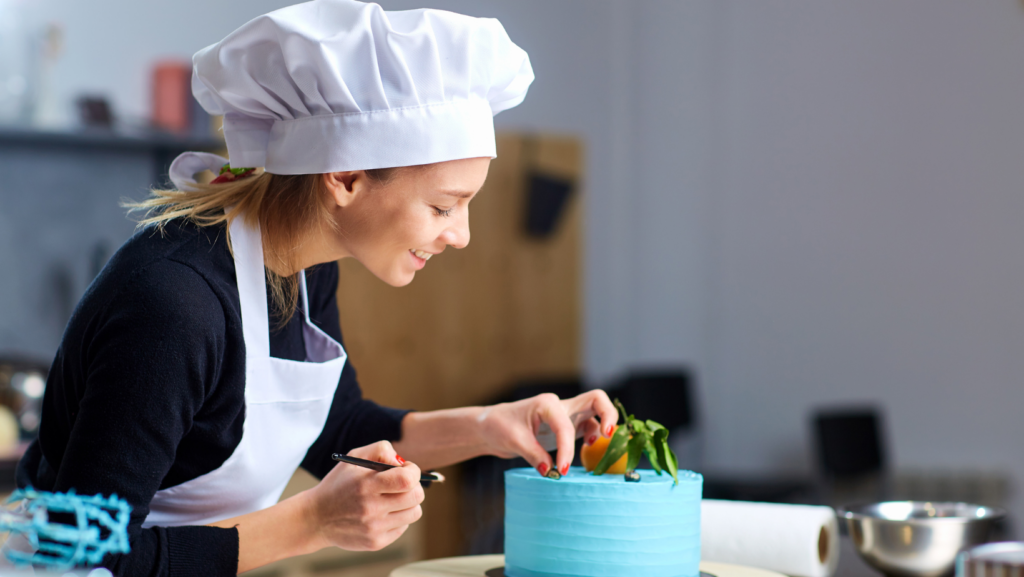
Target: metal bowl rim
{"points": [[992, 513], [984, 553]]}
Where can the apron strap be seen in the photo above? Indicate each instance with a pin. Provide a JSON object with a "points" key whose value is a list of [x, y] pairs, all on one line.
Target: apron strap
{"points": [[305, 295], [247, 244]]}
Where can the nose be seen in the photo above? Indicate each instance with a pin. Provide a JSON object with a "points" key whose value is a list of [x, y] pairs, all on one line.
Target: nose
{"points": [[457, 235]]}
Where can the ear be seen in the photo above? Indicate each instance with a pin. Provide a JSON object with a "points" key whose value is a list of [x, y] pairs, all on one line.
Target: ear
{"points": [[344, 187]]}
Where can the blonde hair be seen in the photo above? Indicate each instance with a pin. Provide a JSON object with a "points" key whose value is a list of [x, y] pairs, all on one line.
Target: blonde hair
{"points": [[286, 207]]}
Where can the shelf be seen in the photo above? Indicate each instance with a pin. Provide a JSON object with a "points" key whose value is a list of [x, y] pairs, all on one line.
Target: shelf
{"points": [[107, 139]]}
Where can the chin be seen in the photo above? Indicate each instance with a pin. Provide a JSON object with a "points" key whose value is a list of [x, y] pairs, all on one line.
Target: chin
{"points": [[396, 275], [398, 279]]}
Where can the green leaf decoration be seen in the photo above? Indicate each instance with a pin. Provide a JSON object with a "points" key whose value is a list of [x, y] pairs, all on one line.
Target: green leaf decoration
{"points": [[234, 171], [636, 438], [622, 412], [653, 426], [664, 453], [639, 429], [652, 456], [617, 447], [641, 437], [639, 441], [673, 464], [636, 450]]}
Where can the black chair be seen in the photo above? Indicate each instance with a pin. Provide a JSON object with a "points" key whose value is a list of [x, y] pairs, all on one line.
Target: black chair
{"points": [[851, 455], [849, 442], [658, 395], [666, 396]]}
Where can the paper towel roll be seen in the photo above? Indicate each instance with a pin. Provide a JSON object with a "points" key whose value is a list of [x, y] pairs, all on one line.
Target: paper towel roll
{"points": [[798, 540]]}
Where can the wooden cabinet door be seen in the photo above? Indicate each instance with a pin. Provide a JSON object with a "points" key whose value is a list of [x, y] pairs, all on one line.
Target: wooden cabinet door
{"points": [[475, 320]]}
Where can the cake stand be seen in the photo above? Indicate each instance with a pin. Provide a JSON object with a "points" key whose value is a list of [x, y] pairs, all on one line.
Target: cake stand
{"points": [[492, 565]]}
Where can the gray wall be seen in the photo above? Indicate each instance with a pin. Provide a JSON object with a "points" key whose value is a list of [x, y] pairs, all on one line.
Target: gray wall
{"points": [[812, 203], [866, 237], [860, 212], [59, 223]]}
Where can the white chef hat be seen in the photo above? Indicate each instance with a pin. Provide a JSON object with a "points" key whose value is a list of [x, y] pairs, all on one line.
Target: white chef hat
{"points": [[334, 85]]}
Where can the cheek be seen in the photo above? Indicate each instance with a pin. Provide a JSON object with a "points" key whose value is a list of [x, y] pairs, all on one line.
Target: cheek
{"points": [[389, 233], [380, 233], [391, 261], [404, 230], [375, 225]]}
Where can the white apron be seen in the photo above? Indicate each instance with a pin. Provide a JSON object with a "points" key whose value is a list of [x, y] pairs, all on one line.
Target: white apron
{"points": [[286, 406]]}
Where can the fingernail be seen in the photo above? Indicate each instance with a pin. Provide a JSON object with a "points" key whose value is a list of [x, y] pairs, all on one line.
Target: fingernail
{"points": [[592, 440], [400, 459], [564, 470], [542, 469], [608, 432]]}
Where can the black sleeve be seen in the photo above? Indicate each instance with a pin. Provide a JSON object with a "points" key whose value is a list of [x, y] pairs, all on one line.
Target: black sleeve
{"points": [[352, 421], [152, 359]]}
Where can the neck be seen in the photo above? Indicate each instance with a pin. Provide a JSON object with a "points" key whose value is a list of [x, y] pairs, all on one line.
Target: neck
{"points": [[312, 250]]}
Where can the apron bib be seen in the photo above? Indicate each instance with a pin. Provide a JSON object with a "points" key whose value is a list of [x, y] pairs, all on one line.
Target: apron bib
{"points": [[286, 406]]}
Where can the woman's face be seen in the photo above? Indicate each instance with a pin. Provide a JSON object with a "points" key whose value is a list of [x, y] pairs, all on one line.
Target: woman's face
{"points": [[393, 229]]}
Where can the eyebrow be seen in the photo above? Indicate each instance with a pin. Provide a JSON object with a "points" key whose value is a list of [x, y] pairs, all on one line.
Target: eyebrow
{"points": [[458, 193]]}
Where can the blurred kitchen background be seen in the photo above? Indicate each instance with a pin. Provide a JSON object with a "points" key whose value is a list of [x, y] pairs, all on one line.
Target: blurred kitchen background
{"points": [[802, 223]]}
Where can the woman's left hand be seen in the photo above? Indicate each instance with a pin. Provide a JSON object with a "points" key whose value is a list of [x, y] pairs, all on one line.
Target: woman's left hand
{"points": [[510, 429]]}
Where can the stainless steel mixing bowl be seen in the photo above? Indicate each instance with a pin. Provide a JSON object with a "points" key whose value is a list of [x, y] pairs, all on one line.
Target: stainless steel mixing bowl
{"points": [[917, 538]]}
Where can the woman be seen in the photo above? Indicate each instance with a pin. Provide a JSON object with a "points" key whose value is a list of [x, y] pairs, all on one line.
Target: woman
{"points": [[205, 363]]}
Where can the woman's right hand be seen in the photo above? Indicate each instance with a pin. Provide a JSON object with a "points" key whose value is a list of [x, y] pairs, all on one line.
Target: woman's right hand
{"points": [[363, 510]]}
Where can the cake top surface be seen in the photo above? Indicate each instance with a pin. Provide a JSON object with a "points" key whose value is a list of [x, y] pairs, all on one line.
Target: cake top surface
{"points": [[579, 476]]}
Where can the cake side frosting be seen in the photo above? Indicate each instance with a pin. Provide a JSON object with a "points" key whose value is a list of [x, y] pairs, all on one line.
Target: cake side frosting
{"points": [[584, 525]]}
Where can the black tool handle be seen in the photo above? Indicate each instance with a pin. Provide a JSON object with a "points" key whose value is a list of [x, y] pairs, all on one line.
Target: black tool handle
{"points": [[362, 462], [425, 479]]}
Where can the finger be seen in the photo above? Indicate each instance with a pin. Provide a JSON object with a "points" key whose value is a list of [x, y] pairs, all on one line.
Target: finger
{"points": [[553, 413], [405, 516], [401, 501], [386, 538], [527, 447], [393, 535], [381, 452], [590, 431], [398, 480], [594, 403], [603, 407]]}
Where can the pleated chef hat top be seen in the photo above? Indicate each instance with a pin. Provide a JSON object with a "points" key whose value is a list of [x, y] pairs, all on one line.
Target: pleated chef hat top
{"points": [[335, 85]]}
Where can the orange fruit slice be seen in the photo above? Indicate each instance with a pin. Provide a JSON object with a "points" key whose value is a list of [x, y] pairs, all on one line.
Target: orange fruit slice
{"points": [[591, 455]]}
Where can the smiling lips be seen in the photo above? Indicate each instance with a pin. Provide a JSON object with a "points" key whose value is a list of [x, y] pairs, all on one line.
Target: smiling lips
{"points": [[421, 254]]}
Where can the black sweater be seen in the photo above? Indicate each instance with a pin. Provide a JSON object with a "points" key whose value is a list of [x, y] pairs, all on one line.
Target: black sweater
{"points": [[147, 390]]}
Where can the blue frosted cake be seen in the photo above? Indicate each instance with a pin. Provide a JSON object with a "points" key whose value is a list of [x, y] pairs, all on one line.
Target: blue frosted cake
{"points": [[584, 525]]}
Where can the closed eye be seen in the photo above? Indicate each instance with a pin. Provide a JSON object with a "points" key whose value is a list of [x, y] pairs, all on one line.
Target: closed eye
{"points": [[443, 211]]}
